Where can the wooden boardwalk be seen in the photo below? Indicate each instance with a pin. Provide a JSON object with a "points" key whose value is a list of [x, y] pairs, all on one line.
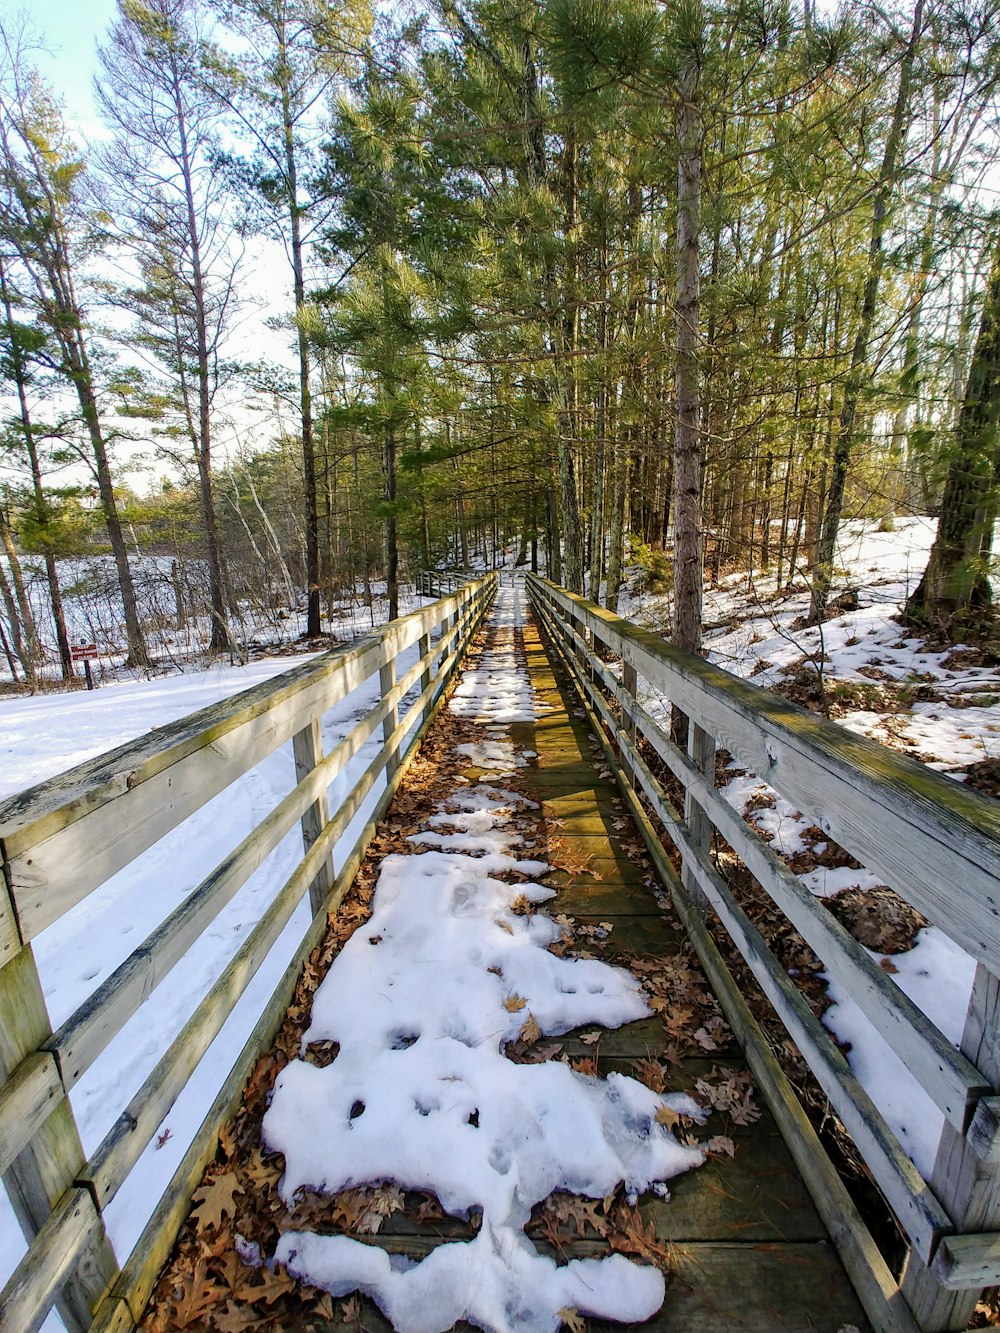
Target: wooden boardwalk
{"points": [[746, 1249], [740, 1239]]}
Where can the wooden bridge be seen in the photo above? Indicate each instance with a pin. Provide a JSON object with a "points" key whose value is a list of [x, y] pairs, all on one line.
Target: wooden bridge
{"points": [[769, 1239]]}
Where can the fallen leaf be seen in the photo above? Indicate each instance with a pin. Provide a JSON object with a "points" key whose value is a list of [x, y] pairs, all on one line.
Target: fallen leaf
{"points": [[194, 1296], [236, 1318], [590, 1038], [214, 1200], [665, 1115], [274, 1284], [651, 1073], [887, 965], [722, 1143], [386, 1200], [530, 1032], [633, 1237], [573, 1320], [514, 1003]]}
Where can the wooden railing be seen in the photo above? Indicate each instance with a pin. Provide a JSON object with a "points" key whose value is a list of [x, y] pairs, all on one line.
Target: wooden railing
{"points": [[438, 583], [934, 841], [62, 839]]}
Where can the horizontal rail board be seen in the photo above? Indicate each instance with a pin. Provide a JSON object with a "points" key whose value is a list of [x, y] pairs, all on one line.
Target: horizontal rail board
{"points": [[937, 844], [935, 841], [124, 1306], [878, 1289], [952, 1081], [88, 1030], [66, 1248], [66, 836], [120, 1150]]}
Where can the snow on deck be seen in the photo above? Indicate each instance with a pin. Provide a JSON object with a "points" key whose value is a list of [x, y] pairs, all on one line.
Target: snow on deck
{"points": [[421, 1001]]}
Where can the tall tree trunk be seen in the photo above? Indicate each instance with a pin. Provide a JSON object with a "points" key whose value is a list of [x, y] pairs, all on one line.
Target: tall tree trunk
{"points": [[24, 634], [296, 253], [42, 516], [138, 654], [616, 536], [955, 587], [391, 541], [688, 560], [858, 373], [220, 636]]}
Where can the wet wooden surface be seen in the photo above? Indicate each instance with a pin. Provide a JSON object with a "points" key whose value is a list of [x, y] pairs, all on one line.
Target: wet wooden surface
{"points": [[747, 1248]]}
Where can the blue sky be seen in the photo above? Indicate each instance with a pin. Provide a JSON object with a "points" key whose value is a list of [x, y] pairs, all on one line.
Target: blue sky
{"points": [[71, 30]]}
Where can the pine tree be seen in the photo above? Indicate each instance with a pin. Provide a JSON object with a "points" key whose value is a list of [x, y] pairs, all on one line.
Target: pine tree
{"points": [[165, 193], [41, 218]]}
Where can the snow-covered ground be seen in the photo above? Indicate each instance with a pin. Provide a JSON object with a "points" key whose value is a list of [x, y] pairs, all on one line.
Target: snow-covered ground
{"points": [[867, 656], [44, 735], [93, 612], [421, 1002]]}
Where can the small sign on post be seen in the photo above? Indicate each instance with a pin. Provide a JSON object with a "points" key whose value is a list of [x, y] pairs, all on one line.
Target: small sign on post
{"points": [[85, 653]]}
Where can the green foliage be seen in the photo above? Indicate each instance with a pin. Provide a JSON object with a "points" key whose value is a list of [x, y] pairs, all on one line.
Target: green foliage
{"points": [[65, 526], [656, 571]]}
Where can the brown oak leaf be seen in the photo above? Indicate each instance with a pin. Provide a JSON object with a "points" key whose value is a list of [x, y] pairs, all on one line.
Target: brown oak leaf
{"points": [[530, 1032], [236, 1318], [720, 1144], [650, 1072], [214, 1200]]}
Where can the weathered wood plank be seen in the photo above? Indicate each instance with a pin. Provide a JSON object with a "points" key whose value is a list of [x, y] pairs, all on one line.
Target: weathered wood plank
{"points": [[10, 939], [27, 1099], [120, 1149], [307, 751], [47, 1165], [387, 679], [984, 1130], [55, 1252], [951, 1080], [88, 1030], [935, 841], [64, 837], [966, 1180], [53, 875], [919, 1212], [969, 1262]]}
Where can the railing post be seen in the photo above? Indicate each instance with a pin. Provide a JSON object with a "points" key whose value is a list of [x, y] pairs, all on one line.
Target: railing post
{"points": [[387, 680], [701, 750], [423, 650], [630, 684], [48, 1166], [307, 747], [966, 1178]]}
